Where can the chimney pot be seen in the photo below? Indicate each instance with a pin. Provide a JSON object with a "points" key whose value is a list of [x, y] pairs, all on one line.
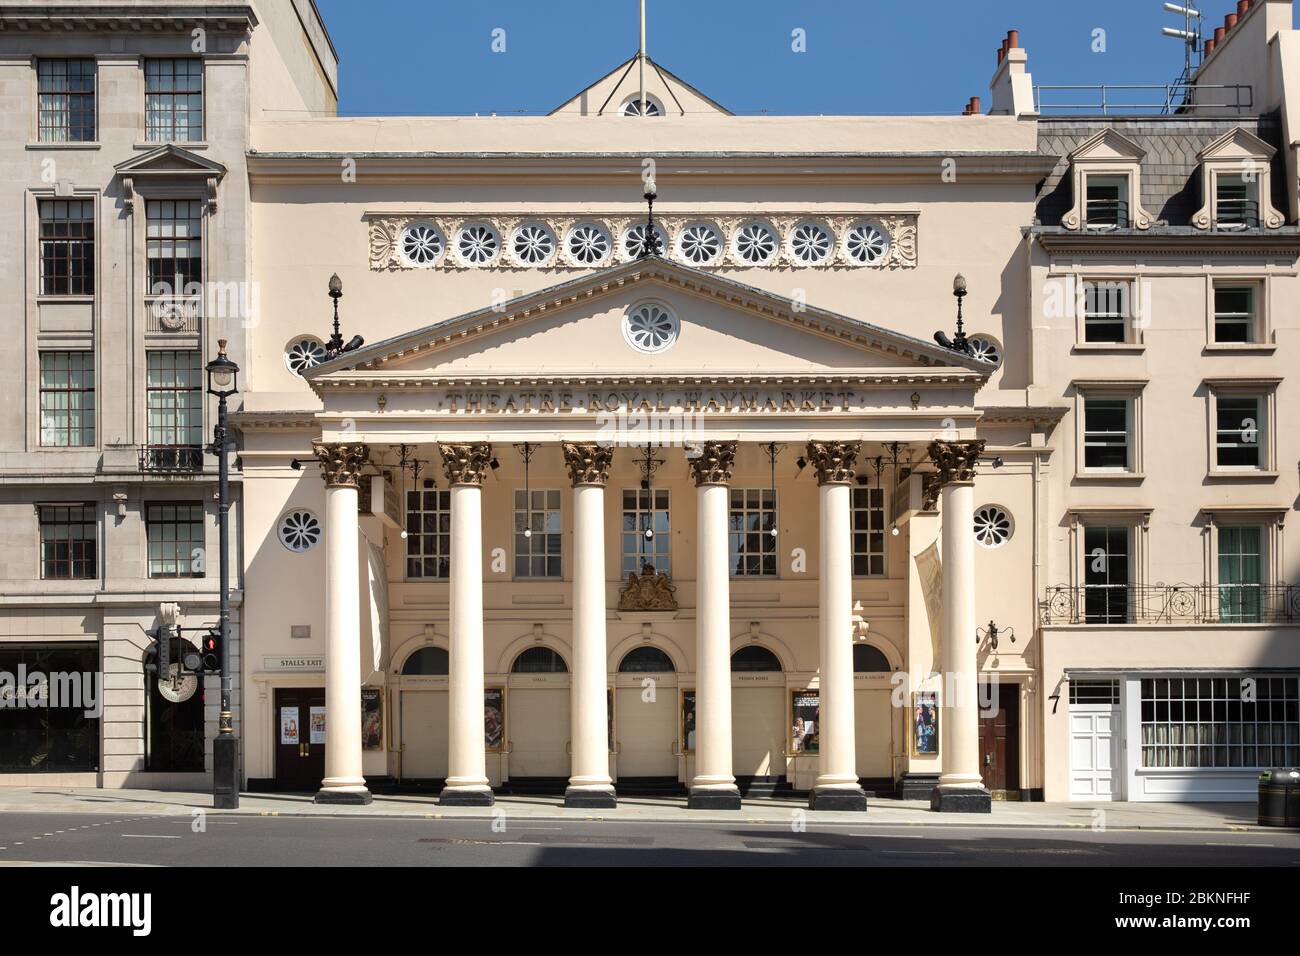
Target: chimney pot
{"points": [[975, 106], [1229, 21], [1209, 46], [1013, 40], [1219, 33], [1000, 54], [1243, 7]]}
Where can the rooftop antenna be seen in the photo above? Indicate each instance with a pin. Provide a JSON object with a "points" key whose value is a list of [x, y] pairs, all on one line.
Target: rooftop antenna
{"points": [[1190, 34], [641, 103]]}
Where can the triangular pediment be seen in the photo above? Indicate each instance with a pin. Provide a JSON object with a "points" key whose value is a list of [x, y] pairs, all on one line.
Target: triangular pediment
{"points": [[668, 93], [170, 160], [1108, 145], [1237, 144], [583, 327]]}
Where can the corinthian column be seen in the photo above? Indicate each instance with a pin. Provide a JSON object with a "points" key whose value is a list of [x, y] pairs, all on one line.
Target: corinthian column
{"points": [[714, 787], [589, 783], [467, 782], [341, 466], [837, 780], [961, 787]]}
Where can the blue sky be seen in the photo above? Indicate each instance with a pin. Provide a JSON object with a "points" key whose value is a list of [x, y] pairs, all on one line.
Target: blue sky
{"points": [[863, 56]]}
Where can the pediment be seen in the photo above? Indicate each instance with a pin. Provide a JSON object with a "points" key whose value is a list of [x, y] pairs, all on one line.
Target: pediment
{"points": [[578, 328], [1237, 144], [1108, 146], [607, 95], [170, 160]]}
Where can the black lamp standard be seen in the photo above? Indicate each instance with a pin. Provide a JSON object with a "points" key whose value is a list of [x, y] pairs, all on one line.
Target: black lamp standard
{"points": [[223, 375]]}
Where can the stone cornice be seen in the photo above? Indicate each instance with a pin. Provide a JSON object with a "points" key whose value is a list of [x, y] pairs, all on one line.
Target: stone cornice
{"points": [[1170, 241], [128, 17], [1023, 415], [414, 167]]}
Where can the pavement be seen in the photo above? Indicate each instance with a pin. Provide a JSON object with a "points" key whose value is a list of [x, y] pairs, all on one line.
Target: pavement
{"points": [[1181, 817]]}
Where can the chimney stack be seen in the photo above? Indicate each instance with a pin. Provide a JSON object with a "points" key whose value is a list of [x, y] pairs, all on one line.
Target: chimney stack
{"points": [[1012, 86]]}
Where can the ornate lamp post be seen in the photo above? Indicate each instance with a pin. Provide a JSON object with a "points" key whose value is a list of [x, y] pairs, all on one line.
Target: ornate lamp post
{"points": [[336, 346], [959, 342], [223, 381], [650, 247]]}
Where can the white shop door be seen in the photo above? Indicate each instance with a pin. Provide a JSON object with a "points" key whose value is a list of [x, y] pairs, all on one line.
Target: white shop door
{"points": [[538, 727], [646, 732], [758, 731], [1094, 752], [424, 734]]}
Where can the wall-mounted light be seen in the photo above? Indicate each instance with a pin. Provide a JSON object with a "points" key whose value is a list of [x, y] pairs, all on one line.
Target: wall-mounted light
{"points": [[992, 633]]}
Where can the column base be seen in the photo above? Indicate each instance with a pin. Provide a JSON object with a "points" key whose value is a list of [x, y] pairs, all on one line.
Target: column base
{"points": [[713, 798], [838, 798], [961, 800], [590, 798], [466, 797], [359, 797]]}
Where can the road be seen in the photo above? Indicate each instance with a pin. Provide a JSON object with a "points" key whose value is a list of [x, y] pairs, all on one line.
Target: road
{"points": [[236, 840]]}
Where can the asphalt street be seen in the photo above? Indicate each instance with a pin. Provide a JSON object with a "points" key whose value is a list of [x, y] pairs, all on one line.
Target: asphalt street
{"points": [[238, 840]]}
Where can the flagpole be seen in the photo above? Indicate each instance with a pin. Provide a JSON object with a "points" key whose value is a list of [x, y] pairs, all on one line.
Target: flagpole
{"points": [[641, 61]]}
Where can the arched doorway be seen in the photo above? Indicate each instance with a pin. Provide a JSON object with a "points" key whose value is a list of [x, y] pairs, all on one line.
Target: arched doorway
{"points": [[537, 722], [645, 715], [425, 728], [758, 724], [873, 717]]}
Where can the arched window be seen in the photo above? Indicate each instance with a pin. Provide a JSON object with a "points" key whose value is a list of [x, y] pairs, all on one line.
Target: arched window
{"points": [[643, 660], [754, 658], [539, 660], [425, 661], [870, 660]]}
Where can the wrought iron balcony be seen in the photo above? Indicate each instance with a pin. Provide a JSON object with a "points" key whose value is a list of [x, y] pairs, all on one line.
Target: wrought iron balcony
{"points": [[1107, 214], [1131, 604], [170, 459]]}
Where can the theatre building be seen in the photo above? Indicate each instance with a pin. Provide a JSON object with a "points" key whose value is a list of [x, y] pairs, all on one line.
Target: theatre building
{"points": [[652, 476]]}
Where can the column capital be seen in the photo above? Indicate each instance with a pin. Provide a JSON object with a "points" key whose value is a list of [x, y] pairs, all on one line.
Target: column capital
{"points": [[341, 463], [588, 462], [955, 460], [835, 462], [465, 464], [712, 466]]}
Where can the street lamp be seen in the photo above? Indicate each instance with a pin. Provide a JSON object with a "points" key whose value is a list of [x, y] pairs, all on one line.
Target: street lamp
{"points": [[223, 381], [335, 346], [650, 247], [959, 342]]}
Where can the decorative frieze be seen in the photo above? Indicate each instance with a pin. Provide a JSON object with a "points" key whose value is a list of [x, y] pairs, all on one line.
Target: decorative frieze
{"points": [[955, 460], [834, 462], [341, 463], [713, 464], [588, 462], [466, 464], [562, 242]]}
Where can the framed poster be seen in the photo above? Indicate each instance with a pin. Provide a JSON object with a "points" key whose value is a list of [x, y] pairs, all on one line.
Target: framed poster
{"points": [[688, 721], [494, 718], [925, 724], [317, 725], [372, 718], [806, 719], [288, 725]]}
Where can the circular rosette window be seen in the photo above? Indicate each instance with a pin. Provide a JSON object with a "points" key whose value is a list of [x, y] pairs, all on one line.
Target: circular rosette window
{"points": [[651, 327]]}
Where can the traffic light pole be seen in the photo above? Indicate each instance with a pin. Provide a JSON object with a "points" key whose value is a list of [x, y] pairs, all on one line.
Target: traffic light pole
{"points": [[225, 749]]}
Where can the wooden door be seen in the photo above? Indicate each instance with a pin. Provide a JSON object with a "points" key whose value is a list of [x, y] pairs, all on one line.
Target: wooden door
{"points": [[299, 728], [1000, 740]]}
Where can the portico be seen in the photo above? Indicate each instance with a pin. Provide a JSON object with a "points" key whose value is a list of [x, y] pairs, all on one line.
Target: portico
{"points": [[810, 437]]}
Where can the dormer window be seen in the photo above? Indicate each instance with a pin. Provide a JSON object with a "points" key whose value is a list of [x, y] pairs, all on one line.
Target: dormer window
{"points": [[1107, 206], [1236, 202]]}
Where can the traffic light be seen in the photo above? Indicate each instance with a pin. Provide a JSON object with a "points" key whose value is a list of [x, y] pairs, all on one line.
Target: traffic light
{"points": [[211, 651]]}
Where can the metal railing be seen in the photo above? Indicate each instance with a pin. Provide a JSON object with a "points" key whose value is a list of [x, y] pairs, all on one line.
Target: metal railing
{"points": [[1132, 604], [1106, 213], [171, 458], [1237, 213], [1108, 99]]}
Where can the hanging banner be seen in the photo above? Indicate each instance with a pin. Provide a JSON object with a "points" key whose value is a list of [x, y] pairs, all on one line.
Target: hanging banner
{"points": [[929, 568]]}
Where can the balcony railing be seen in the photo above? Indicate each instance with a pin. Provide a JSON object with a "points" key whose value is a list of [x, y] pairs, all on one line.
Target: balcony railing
{"points": [[1237, 214], [1144, 99], [1131, 604], [1106, 214], [155, 459]]}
